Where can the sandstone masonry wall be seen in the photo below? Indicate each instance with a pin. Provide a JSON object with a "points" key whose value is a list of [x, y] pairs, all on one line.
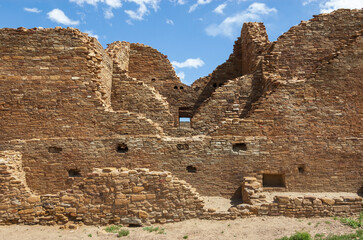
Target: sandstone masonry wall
{"points": [[55, 109]]}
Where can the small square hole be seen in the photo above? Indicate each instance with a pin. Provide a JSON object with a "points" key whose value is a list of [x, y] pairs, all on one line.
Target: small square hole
{"points": [[122, 148], [54, 149], [191, 169], [74, 173], [239, 147]]}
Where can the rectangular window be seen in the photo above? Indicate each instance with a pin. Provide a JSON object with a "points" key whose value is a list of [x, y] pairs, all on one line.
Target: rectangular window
{"points": [[273, 180]]}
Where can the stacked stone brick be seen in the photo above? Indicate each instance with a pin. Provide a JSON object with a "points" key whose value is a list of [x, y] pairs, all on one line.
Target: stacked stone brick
{"points": [[290, 108], [106, 196]]}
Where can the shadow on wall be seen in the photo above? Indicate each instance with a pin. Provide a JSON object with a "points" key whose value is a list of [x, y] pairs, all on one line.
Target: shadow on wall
{"points": [[237, 197]]}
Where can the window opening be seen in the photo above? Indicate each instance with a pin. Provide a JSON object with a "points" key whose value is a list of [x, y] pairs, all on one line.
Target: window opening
{"points": [[273, 180], [74, 173], [122, 148], [191, 169], [239, 147], [54, 149]]}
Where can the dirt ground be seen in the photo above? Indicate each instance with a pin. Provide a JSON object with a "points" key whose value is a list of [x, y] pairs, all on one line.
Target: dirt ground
{"points": [[254, 228]]}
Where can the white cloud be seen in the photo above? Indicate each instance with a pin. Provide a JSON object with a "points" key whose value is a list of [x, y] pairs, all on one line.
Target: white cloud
{"points": [[331, 5], [189, 63], [33, 10], [58, 16], [108, 13], [260, 8], [220, 8], [180, 2], [143, 9], [169, 21], [228, 26], [114, 3], [181, 75], [308, 2], [199, 2], [110, 3], [91, 34]]}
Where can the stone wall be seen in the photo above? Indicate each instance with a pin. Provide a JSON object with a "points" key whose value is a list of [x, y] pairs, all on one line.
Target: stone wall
{"points": [[135, 95], [137, 197], [106, 196], [294, 206], [296, 53], [58, 109]]}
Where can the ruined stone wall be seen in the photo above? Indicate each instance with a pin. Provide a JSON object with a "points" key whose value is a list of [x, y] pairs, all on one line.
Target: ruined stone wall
{"points": [[105, 196], [294, 204], [135, 95], [120, 54], [254, 44], [57, 84], [153, 68], [53, 111], [312, 124], [226, 102], [137, 197], [296, 53], [231, 69]]}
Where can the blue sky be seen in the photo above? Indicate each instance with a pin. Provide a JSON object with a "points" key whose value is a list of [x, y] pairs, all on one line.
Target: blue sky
{"points": [[196, 35]]}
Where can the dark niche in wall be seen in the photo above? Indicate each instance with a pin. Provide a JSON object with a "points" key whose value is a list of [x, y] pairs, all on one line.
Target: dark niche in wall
{"points": [[74, 173], [301, 169], [239, 147], [54, 149], [273, 180], [122, 148], [191, 169]]}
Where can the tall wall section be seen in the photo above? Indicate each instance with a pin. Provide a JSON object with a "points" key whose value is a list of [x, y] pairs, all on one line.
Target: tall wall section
{"points": [[153, 68], [297, 52], [309, 130], [135, 95]]}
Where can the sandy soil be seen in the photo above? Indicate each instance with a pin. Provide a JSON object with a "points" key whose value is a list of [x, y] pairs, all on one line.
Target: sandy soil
{"points": [[254, 228]]}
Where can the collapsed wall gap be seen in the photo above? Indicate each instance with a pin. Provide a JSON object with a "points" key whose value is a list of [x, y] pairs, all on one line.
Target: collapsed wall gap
{"points": [[273, 180]]}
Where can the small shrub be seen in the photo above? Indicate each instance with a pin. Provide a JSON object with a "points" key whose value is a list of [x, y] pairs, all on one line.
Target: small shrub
{"points": [[353, 236], [352, 222], [155, 229], [89, 235], [123, 233], [327, 222], [185, 237], [113, 228], [318, 236]]}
